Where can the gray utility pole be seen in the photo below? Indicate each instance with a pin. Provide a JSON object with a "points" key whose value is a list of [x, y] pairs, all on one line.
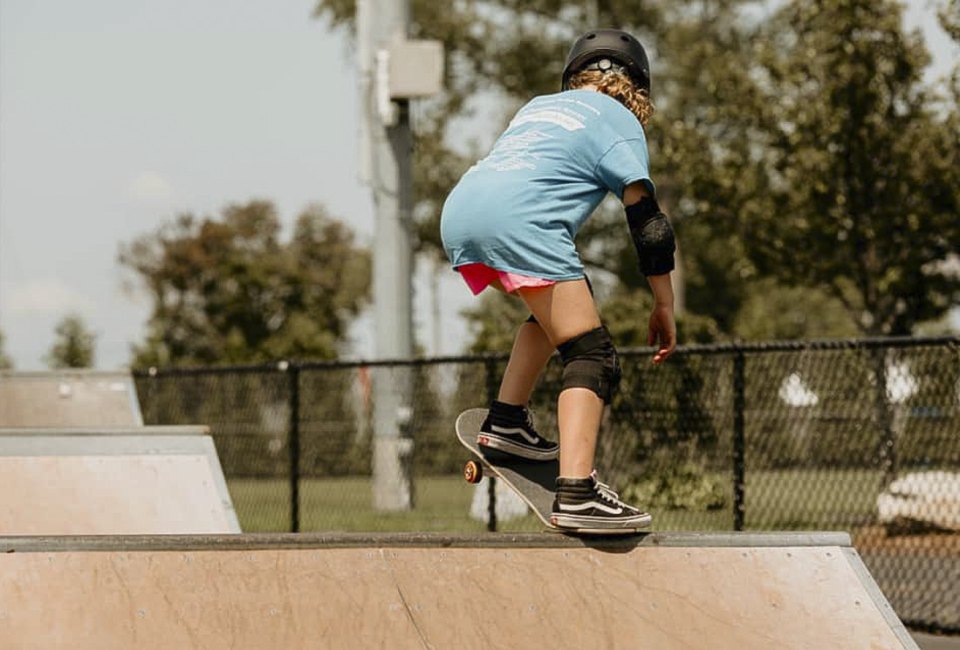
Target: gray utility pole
{"points": [[393, 70]]}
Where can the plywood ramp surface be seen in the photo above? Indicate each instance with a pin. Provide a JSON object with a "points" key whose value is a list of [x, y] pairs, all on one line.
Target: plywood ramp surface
{"points": [[112, 484], [68, 398], [454, 597]]}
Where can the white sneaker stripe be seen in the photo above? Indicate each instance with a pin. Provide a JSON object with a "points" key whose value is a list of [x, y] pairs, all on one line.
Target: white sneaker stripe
{"points": [[589, 505], [511, 430]]}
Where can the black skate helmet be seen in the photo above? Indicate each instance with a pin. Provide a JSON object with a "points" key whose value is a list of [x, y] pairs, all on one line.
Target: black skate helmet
{"points": [[604, 49]]}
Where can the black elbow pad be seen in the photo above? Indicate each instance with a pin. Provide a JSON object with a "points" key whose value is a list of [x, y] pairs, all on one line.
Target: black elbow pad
{"points": [[652, 236]]}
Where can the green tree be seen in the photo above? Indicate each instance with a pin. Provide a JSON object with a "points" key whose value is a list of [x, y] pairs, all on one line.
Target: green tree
{"points": [[74, 346], [228, 290], [949, 14], [774, 312], [6, 363], [864, 180]]}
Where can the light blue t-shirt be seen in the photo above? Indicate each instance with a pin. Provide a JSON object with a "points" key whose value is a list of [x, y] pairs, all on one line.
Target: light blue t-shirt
{"points": [[519, 208]]}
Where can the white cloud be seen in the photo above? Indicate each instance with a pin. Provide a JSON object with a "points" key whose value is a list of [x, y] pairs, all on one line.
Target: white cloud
{"points": [[45, 296], [149, 186]]}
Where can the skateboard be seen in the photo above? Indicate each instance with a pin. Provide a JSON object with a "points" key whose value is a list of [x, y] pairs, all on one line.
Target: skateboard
{"points": [[534, 481]]}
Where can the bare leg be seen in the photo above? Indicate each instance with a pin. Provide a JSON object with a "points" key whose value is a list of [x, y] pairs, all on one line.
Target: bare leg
{"points": [[565, 310], [579, 411], [531, 351]]}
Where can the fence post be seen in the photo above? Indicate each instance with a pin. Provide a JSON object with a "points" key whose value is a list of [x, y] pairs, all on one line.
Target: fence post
{"points": [[492, 389], [739, 439], [293, 439]]}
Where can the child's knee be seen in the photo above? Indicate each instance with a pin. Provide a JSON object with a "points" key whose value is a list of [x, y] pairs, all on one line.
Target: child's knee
{"points": [[590, 361]]}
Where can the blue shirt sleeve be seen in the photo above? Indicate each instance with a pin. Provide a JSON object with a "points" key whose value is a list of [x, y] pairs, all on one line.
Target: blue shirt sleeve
{"points": [[624, 163]]}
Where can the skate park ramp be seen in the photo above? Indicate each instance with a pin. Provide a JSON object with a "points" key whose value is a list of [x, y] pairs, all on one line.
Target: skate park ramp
{"points": [[663, 591], [69, 398], [112, 481]]}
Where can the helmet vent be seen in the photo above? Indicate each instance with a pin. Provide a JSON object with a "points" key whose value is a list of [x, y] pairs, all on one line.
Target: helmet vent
{"points": [[590, 37]]}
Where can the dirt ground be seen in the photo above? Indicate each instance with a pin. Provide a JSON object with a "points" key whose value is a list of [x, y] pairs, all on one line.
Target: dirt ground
{"points": [[907, 539]]}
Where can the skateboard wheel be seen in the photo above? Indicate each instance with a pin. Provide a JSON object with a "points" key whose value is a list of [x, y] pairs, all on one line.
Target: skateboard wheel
{"points": [[472, 471]]}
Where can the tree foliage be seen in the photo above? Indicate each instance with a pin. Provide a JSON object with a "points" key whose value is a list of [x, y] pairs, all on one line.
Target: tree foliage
{"points": [[229, 290], [863, 173], [949, 14], [775, 312], [74, 346]]}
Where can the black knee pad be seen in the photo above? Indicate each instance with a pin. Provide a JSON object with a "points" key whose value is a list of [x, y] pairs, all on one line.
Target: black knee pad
{"points": [[590, 361]]}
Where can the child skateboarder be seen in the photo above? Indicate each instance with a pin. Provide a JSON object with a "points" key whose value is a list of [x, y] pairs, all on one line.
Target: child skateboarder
{"points": [[510, 223]]}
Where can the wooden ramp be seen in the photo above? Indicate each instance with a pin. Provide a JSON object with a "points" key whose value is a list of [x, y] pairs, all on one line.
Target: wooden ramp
{"points": [[662, 591], [112, 481], [68, 398]]}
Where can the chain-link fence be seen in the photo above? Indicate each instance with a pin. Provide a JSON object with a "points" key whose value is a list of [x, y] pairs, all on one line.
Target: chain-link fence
{"points": [[862, 436]]}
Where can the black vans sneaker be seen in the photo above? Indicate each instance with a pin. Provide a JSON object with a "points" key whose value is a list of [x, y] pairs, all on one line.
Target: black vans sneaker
{"points": [[509, 429], [589, 506]]}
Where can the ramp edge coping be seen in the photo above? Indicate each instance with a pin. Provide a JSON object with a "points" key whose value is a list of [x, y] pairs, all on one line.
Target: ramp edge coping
{"points": [[66, 373], [879, 600], [299, 541], [110, 430]]}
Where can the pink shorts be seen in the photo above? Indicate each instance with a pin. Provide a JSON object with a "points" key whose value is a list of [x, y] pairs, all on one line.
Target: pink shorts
{"points": [[479, 276]]}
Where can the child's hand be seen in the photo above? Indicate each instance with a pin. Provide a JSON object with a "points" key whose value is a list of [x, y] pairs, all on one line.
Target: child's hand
{"points": [[663, 332]]}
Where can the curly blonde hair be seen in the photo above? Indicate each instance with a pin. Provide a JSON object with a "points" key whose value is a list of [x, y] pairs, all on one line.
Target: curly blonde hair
{"points": [[620, 87]]}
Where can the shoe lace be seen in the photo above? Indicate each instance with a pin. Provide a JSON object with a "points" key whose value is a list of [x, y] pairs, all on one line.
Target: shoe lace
{"points": [[531, 425], [528, 414], [605, 490]]}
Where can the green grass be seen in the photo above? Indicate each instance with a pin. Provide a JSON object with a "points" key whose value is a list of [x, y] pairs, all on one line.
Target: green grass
{"points": [[804, 499], [346, 504], [775, 500]]}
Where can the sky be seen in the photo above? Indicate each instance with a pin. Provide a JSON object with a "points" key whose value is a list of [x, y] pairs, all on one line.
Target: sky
{"points": [[117, 115]]}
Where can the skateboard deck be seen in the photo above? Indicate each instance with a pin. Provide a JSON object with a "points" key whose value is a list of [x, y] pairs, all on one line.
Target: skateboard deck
{"points": [[534, 481]]}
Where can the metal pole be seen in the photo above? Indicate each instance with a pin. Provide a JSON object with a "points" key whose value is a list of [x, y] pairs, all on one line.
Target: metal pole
{"points": [[293, 375], [390, 144], [739, 439]]}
